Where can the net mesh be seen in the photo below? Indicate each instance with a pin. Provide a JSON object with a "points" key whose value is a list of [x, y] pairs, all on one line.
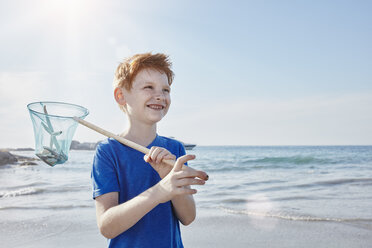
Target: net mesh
{"points": [[54, 129]]}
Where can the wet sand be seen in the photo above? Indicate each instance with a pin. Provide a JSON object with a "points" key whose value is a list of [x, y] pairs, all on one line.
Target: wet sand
{"points": [[50, 228], [245, 231], [77, 228]]}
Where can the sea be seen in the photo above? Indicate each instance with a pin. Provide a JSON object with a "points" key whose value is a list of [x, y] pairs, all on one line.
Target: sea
{"points": [[292, 183]]}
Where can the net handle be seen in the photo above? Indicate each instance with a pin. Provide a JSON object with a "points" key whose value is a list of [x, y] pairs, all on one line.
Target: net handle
{"points": [[122, 140]]}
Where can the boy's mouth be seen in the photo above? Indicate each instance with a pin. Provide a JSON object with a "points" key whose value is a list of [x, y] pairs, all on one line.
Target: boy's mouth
{"points": [[156, 106]]}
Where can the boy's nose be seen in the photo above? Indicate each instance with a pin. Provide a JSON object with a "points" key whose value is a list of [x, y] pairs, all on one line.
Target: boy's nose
{"points": [[159, 96]]}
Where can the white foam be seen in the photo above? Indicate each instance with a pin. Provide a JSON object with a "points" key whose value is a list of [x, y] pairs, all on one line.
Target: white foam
{"points": [[285, 216], [20, 192]]}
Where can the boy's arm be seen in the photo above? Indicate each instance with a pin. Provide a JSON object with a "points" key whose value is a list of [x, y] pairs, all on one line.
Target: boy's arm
{"points": [[185, 209], [184, 206], [113, 219]]}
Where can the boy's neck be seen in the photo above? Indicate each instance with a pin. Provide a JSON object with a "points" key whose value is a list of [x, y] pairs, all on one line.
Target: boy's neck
{"points": [[140, 134]]}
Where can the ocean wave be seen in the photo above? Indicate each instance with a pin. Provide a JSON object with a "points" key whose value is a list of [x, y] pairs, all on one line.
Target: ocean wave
{"points": [[251, 163], [17, 191], [323, 184], [65, 189], [336, 182], [264, 200], [234, 200], [255, 183], [346, 181], [21, 192], [296, 160], [291, 217], [296, 198], [27, 185], [47, 207]]}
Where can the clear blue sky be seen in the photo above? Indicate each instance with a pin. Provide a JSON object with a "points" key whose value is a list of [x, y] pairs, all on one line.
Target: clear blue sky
{"points": [[247, 72]]}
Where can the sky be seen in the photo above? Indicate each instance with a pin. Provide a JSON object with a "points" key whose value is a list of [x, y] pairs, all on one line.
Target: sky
{"points": [[246, 72]]}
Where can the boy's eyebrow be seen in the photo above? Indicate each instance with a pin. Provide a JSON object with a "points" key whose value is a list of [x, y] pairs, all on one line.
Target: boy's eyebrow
{"points": [[151, 82]]}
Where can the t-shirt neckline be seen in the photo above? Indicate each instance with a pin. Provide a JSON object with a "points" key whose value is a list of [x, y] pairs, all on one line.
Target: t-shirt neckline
{"points": [[153, 142]]}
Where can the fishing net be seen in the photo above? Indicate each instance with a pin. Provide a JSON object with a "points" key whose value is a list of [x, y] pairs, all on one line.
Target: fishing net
{"points": [[54, 128]]}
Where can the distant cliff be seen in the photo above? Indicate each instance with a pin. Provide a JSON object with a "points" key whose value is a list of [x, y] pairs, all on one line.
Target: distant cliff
{"points": [[76, 145], [7, 158]]}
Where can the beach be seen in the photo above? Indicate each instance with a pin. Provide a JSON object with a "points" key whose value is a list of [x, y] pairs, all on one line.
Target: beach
{"points": [[78, 229], [256, 197], [50, 228], [243, 231]]}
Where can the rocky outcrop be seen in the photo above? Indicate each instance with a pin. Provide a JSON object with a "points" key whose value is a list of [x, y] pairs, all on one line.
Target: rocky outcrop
{"points": [[24, 149], [28, 163], [7, 158], [76, 145]]}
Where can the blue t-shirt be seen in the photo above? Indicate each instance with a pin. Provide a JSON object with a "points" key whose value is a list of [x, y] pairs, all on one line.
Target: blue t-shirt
{"points": [[118, 168]]}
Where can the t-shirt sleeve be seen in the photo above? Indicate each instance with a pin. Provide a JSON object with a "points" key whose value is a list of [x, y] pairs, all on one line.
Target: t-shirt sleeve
{"points": [[181, 152], [104, 173]]}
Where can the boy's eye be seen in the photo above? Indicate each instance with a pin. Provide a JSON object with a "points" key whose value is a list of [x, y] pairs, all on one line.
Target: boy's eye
{"points": [[166, 90], [148, 87]]}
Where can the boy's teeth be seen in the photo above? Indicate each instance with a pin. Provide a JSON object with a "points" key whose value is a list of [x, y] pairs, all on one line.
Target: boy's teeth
{"points": [[155, 106]]}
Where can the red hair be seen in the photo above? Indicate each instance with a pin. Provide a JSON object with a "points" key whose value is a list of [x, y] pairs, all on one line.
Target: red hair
{"points": [[129, 68]]}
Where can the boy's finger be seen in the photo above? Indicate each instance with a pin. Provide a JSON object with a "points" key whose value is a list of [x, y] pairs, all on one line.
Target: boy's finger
{"points": [[186, 191], [161, 156], [190, 172], [148, 156], [189, 181], [181, 161], [151, 150], [170, 156], [155, 153]]}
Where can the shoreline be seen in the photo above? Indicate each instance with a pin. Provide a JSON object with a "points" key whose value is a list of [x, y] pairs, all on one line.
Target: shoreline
{"points": [[77, 228], [240, 231]]}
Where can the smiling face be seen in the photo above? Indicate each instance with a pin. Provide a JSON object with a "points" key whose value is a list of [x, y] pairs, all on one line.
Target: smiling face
{"points": [[148, 100]]}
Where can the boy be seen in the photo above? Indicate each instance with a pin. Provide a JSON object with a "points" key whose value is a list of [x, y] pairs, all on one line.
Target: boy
{"points": [[139, 200]]}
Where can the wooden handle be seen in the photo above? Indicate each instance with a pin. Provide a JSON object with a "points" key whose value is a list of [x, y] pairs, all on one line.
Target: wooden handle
{"points": [[122, 140]]}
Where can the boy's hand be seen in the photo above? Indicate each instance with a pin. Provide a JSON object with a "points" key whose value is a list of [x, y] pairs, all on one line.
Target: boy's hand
{"points": [[177, 181], [155, 158]]}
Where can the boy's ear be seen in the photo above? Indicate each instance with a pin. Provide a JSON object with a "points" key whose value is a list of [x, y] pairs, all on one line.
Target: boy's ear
{"points": [[119, 96]]}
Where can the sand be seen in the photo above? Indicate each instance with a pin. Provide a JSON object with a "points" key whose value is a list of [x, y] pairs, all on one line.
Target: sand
{"points": [[77, 228], [244, 231]]}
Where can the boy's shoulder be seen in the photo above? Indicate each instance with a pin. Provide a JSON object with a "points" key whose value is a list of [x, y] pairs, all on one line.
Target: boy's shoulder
{"points": [[105, 142], [108, 145]]}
